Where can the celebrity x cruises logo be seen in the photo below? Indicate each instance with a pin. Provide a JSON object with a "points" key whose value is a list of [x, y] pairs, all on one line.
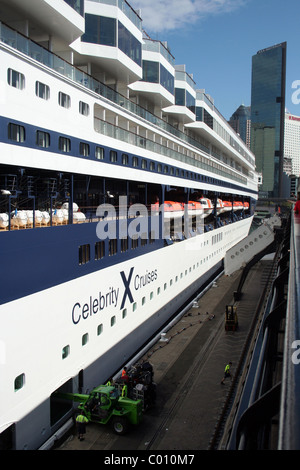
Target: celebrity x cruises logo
{"points": [[127, 292]]}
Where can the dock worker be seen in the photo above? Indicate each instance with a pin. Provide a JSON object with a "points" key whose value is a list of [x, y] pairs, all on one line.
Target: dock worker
{"points": [[124, 375], [81, 421], [226, 372]]}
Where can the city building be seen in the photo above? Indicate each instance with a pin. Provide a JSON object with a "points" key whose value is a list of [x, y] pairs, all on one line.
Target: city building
{"points": [[292, 144], [240, 121], [268, 116]]}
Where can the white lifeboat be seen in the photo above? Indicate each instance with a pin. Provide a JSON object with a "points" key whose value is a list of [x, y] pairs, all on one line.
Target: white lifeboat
{"points": [[19, 219], [58, 216], [220, 206], [45, 217], [65, 206], [4, 220], [207, 206], [78, 217]]}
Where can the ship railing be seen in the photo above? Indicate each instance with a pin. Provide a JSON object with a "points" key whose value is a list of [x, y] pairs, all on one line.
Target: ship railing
{"points": [[28, 47], [200, 161]]}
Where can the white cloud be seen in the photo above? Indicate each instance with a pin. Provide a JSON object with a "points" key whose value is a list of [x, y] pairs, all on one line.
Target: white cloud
{"points": [[167, 15]]}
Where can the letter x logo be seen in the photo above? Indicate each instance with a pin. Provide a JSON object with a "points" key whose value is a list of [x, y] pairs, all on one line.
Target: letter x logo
{"points": [[127, 289]]}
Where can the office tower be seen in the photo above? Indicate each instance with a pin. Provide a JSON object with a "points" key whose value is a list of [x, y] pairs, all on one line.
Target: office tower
{"points": [[292, 144], [268, 115], [240, 121]]}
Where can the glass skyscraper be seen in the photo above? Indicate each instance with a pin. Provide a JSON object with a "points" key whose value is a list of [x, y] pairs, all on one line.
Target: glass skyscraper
{"points": [[268, 116]]}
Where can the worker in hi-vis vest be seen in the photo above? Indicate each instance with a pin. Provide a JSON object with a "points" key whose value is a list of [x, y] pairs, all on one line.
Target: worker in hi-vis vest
{"points": [[81, 422], [226, 372]]}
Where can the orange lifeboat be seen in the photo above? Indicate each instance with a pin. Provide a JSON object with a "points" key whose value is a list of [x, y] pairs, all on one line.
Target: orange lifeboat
{"points": [[246, 205], [171, 209], [195, 208], [238, 206], [227, 206]]}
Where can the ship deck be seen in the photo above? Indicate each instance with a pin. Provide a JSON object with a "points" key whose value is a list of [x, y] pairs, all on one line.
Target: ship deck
{"points": [[188, 369]]}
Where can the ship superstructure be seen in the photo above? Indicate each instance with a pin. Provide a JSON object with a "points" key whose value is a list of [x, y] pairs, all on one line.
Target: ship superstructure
{"points": [[122, 188]]}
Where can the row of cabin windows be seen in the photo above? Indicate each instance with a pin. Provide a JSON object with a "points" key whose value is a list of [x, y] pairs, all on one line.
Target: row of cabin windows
{"points": [[85, 250], [17, 80], [20, 379]]}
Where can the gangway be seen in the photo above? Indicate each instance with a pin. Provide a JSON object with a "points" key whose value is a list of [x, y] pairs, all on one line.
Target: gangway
{"points": [[256, 242]]}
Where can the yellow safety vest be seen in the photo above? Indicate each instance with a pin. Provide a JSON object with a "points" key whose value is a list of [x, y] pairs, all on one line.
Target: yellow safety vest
{"points": [[81, 419]]}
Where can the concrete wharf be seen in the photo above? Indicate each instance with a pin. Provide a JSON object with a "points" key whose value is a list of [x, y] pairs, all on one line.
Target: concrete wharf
{"points": [[188, 368]]}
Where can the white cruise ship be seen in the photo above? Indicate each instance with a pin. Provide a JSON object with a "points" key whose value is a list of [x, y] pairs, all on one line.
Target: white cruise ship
{"points": [[121, 189]]}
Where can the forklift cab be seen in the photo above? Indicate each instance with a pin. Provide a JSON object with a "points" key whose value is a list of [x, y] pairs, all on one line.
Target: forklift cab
{"points": [[231, 319]]}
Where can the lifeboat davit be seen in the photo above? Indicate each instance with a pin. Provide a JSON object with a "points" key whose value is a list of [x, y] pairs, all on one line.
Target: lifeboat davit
{"points": [[207, 206]]}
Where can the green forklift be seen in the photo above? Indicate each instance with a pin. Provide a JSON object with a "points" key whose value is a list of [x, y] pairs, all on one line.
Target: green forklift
{"points": [[107, 403]]}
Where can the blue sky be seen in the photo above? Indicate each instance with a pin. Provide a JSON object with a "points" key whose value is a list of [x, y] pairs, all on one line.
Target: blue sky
{"points": [[216, 40]]}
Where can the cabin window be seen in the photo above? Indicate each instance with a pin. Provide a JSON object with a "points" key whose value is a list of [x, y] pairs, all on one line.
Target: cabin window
{"points": [[124, 244], [19, 382], [99, 250], [113, 156], [64, 144], [99, 329], [42, 139], [84, 149], [124, 159], [15, 79], [85, 339], [64, 100], [84, 108], [113, 321], [99, 153], [84, 254], [113, 246], [65, 352], [16, 132], [42, 90]]}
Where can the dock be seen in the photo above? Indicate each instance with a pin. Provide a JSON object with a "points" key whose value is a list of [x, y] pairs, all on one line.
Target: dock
{"points": [[193, 410]]}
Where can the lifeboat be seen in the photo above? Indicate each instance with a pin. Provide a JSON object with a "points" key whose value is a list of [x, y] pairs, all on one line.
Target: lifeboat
{"points": [[195, 208], [171, 209], [45, 217], [58, 216], [78, 217], [19, 219], [65, 206], [238, 206], [37, 217], [220, 206], [227, 206], [4, 220], [246, 205], [207, 206]]}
